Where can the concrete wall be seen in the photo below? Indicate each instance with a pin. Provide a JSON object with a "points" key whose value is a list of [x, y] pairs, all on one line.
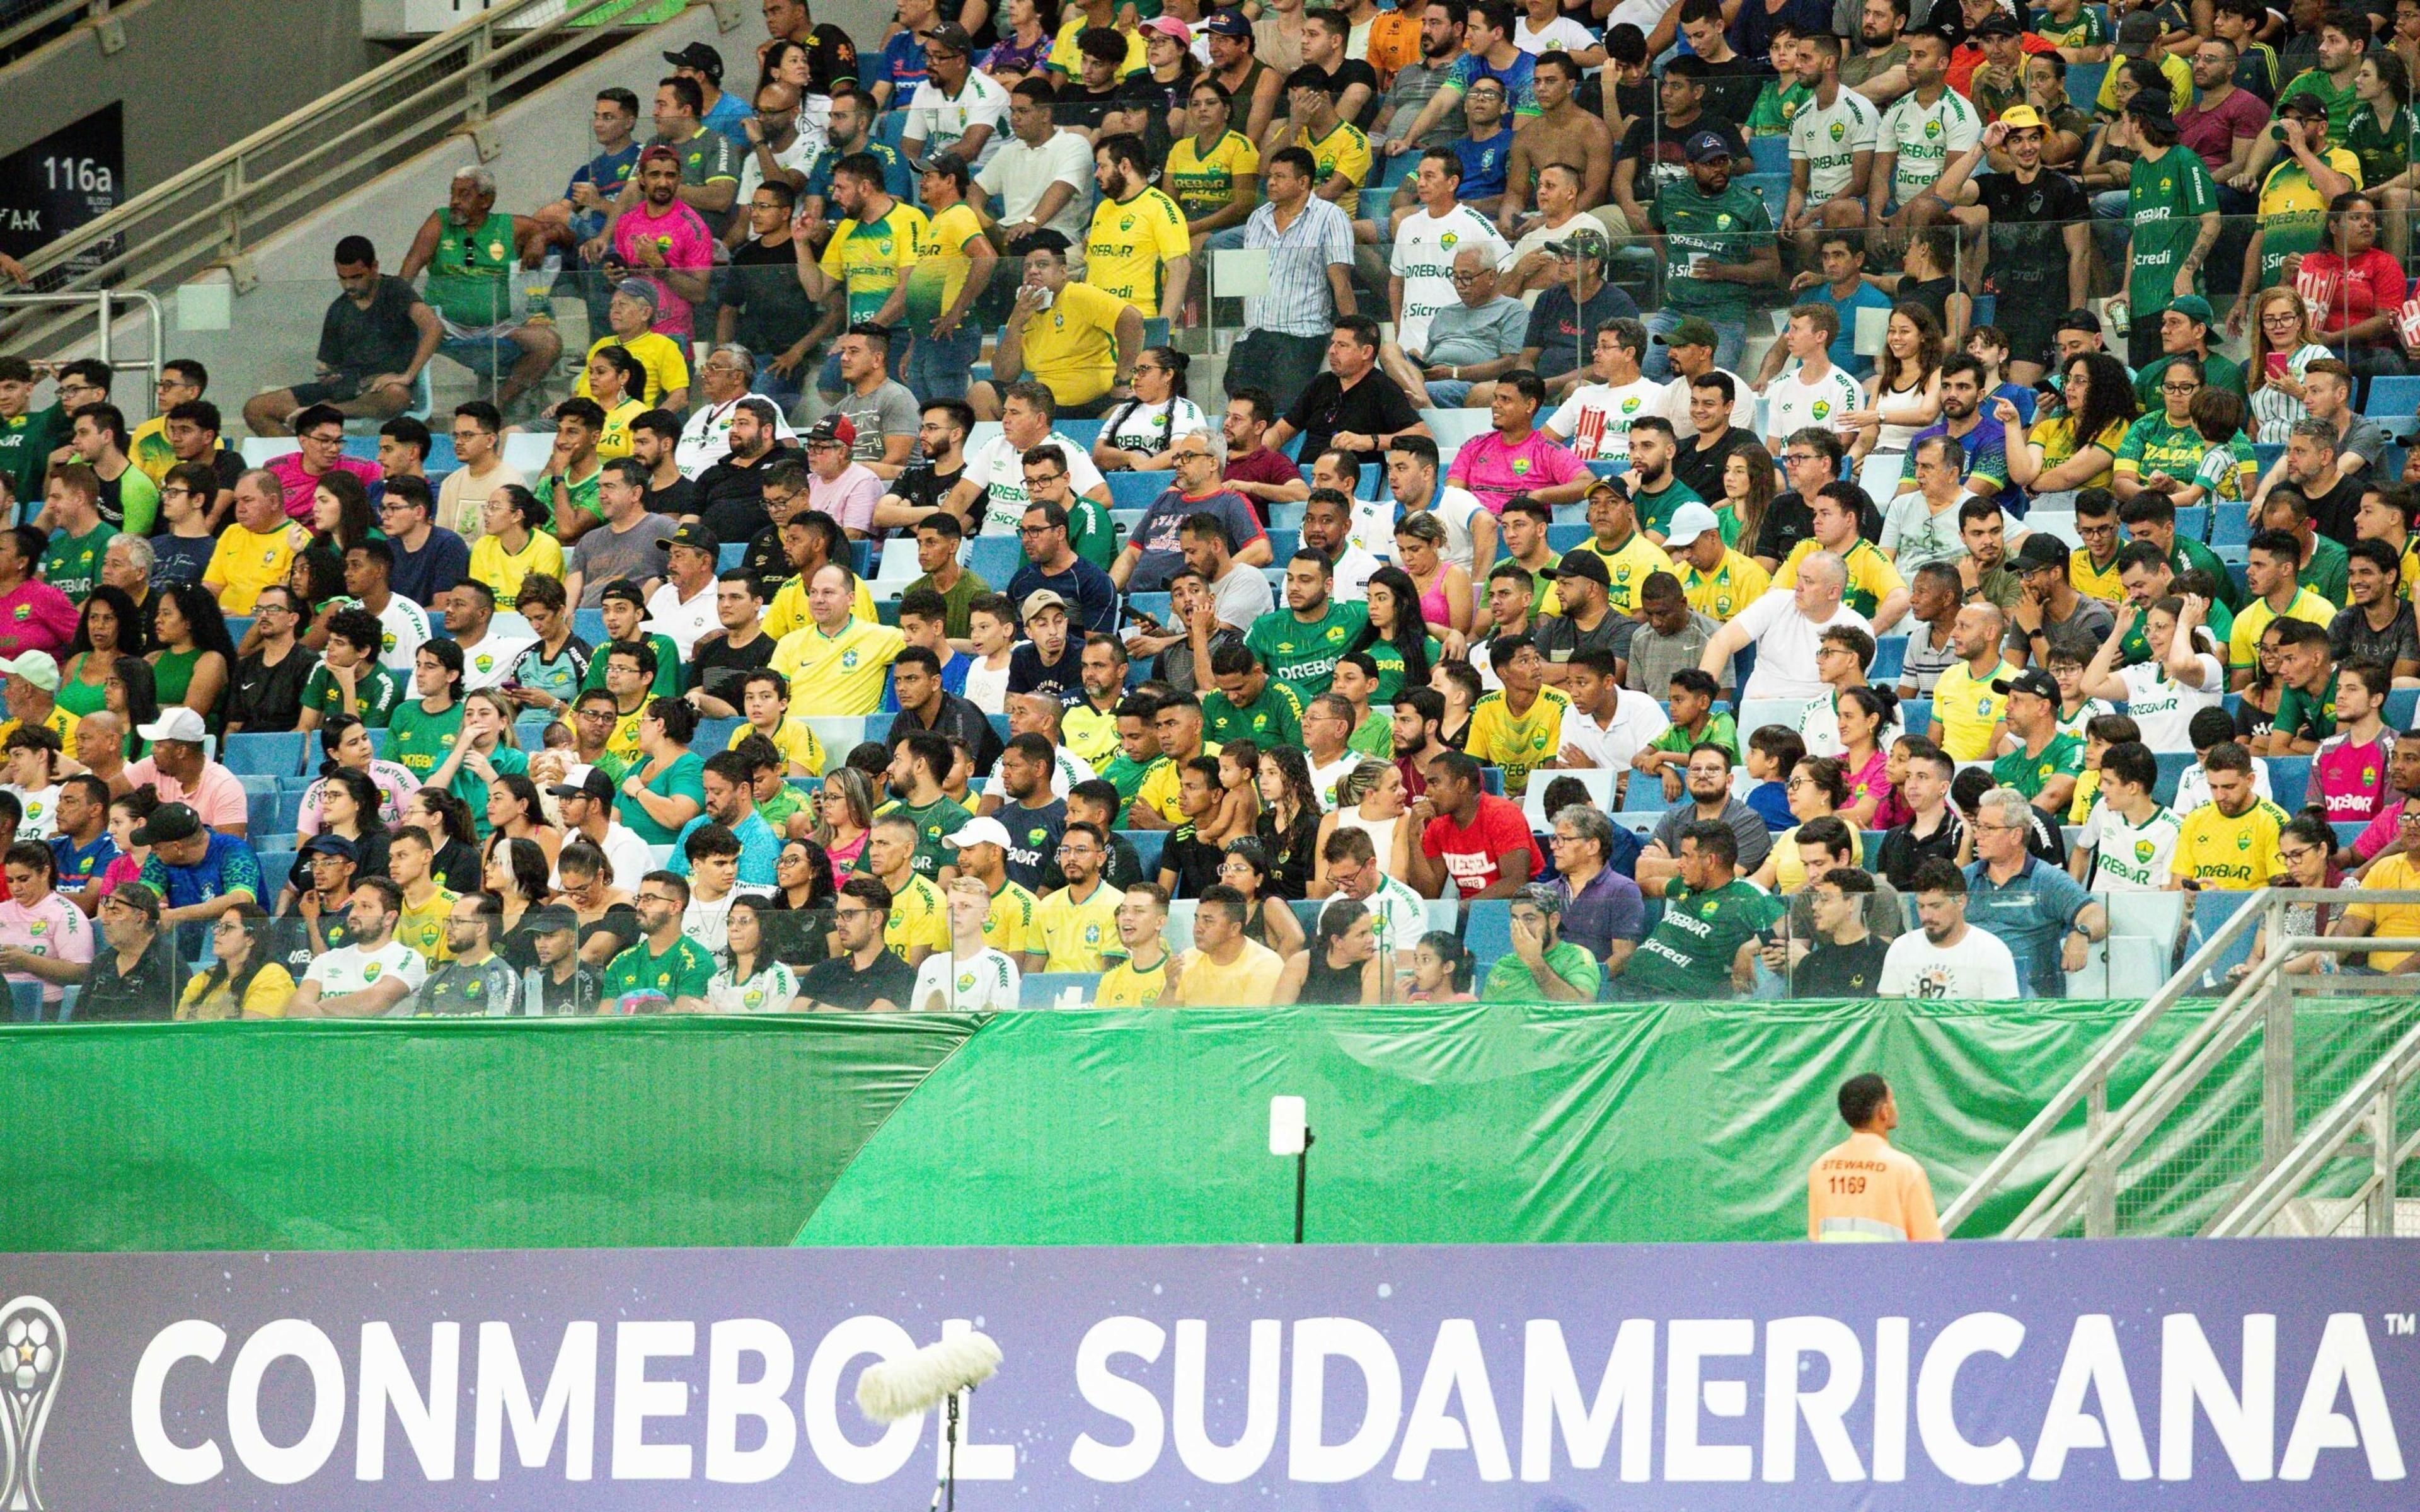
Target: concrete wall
{"points": [[195, 75]]}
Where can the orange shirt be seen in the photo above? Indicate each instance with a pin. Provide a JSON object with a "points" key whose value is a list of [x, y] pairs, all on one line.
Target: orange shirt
{"points": [[1864, 1191]]}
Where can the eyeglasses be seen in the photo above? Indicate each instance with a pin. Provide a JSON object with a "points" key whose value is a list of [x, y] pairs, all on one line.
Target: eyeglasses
{"points": [[1036, 530], [2179, 387]]}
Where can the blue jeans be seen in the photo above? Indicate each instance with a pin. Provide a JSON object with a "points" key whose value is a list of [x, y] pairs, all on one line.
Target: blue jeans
{"points": [[940, 367], [781, 388], [1730, 339]]}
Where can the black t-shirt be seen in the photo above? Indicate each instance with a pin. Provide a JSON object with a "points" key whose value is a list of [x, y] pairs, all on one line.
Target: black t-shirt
{"points": [[1554, 327], [2350, 636], [149, 990], [717, 667], [1658, 148], [1352, 72], [774, 311], [581, 997], [1787, 521], [1033, 836], [1703, 471], [730, 499], [2331, 512], [768, 560], [270, 698], [678, 498], [1933, 294], [1373, 406], [1194, 861], [619, 924], [2029, 224], [1732, 87], [1029, 674], [1082, 107], [839, 982], [381, 339], [924, 489], [1902, 852], [1831, 970], [457, 867]]}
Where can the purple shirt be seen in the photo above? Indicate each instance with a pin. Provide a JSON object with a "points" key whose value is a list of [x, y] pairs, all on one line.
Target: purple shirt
{"points": [[2212, 134], [1609, 908], [1495, 470], [681, 235]]}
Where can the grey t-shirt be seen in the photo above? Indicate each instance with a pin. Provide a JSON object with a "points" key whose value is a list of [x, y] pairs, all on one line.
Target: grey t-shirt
{"points": [[604, 554], [889, 411], [2091, 623], [1653, 659], [1755, 840], [1465, 337], [1415, 85]]}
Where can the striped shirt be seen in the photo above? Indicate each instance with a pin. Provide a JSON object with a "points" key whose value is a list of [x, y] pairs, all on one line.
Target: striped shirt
{"points": [[1298, 301]]}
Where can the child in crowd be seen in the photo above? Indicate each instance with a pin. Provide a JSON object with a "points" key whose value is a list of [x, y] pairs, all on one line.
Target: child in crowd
{"points": [[991, 626], [2069, 654], [2349, 774], [1772, 754], [1239, 795], [1442, 969], [1691, 700], [32, 772], [2218, 414], [1893, 811], [2100, 733], [2209, 728]]}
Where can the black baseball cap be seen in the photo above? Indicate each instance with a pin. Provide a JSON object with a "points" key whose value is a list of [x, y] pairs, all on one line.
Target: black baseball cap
{"points": [[169, 822], [695, 535], [1582, 563], [2032, 680], [585, 782], [698, 55]]}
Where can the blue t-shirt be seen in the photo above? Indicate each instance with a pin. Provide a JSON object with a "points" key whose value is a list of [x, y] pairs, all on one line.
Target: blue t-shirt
{"points": [[1843, 351], [953, 680], [1771, 805], [609, 172], [228, 866], [728, 112], [443, 561], [77, 868], [894, 175], [903, 64], [2031, 914], [760, 850], [2024, 399], [1090, 595], [1520, 99], [1483, 163]]}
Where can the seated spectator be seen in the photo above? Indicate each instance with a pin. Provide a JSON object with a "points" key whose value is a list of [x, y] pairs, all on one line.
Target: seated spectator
{"points": [[2358, 323], [1542, 967], [1578, 303], [1948, 957], [471, 254], [1476, 337], [374, 341], [134, 974], [1225, 969], [1140, 433], [1707, 950], [1156, 549], [1076, 355], [1603, 910], [1513, 457], [1654, 153]]}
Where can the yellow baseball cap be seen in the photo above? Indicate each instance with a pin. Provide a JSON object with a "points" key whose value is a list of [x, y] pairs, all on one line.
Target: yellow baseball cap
{"points": [[2018, 117]]}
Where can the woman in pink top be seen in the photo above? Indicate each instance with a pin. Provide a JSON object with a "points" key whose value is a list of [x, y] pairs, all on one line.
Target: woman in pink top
{"points": [[42, 935], [345, 742], [2366, 288], [1444, 588], [1864, 714]]}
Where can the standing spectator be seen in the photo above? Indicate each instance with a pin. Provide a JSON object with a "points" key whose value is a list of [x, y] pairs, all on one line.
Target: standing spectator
{"points": [[2172, 205], [765, 309], [862, 264], [470, 254], [665, 242], [376, 337], [1847, 1201], [938, 298], [1309, 286]]}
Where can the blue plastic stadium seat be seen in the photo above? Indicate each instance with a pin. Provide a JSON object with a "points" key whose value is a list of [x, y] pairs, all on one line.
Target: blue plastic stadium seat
{"points": [[1155, 330], [715, 735], [589, 624], [1492, 778], [1147, 844], [1083, 432], [1373, 481], [260, 810], [2395, 403], [731, 556], [1770, 154], [2402, 707], [994, 559], [1042, 989], [2193, 522], [1155, 604], [275, 868], [263, 755], [1286, 515], [999, 725], [2265, 456], [1891, 655], [1915, 714], [1133, 490], [1566, 537], [2230, 523], [26, 1001], [2289, 777], [2171, 767], [1282, 544], [1487, 927]]}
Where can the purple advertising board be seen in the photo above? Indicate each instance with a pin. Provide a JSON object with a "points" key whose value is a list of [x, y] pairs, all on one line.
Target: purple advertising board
{"points": [[2215, 1376]]}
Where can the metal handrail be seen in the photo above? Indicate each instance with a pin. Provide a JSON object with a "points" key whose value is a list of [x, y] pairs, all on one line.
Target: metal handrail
{"points": [[105, 302], [35, 22], [2090, 1081], [207, 211], [2372, 1097]]}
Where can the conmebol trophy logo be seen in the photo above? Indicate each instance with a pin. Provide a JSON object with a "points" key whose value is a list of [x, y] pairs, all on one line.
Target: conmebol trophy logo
{"points": [[33, 1347]]}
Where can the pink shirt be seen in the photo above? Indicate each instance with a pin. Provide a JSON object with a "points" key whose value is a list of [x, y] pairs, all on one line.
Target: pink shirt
{"points": [[2350, 779], [299, 486], [1872, 780], [681, 235], [1494, 471], [217, 797], [849, 499], [55, 928], [36, 617]]}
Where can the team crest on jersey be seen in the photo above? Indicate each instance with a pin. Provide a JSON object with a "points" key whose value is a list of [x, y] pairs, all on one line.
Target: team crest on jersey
{"points": [[370, 972], [1092, 935], [1448, 241], [1707, 908], [1823, 407], [848, 661], [1932, 129], [1335, 632], [1723, 220], [1630, 405], [966, 982], [2243, 840], [2144, 850], [1840, 131], [1126, 222], [1520, 465]]}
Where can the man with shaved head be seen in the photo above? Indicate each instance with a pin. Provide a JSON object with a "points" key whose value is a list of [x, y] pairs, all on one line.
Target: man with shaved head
{"points": [[1787, 630]]}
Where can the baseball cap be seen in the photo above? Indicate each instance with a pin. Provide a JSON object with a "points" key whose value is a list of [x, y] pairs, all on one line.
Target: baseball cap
{"points": [[1227, 24], [1038, 600], [584, 781], [1688, 331], [2193, 307], [1689, 521], [2041, 553], [179, 723], [1999, 24], [693, 535], [949, 165], [169, 822], [657, 152], [984, 831], [831, 430], [949, 38], [36, 667], [625, 590], [2080, 320], [1169, 26], [698, 55], [2032, 680], [638, 288], [1582, 563], [548, 918], [2137, 34], [2304, 104], [2020, 117], [1585, 243], [1705, 147], [329, 843]]}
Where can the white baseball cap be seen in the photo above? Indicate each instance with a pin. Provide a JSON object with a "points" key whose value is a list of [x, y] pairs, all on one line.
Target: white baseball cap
{"points": [[179, 723], [1689, 521], [984, 831]]}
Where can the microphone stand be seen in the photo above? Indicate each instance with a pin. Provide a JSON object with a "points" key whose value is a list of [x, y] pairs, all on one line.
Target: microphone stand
{"points": [[1301, 1180], [945, 1490]]}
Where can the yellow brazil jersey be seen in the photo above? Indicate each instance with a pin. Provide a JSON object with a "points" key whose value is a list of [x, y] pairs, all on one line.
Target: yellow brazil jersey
{"points": [[1008, 927], [149, 450], [1497, 738], [1071, 348], [2094, 582], [666, 363], [61, 723], [1122, 986], [2392, 874], [1089, 732], [614, 440], [1160, 782], [2411, 565], [1078, 936], [838, 674], [788, 609], [941, 275], [1871, 578], [424, 927], [2243, 642], [1967, 710], [794, 738], [1735, 583], [1067, 60], [1629, 566], [245, 563], [503, 572], [1343, 150], [869, 259], [1204, 184], [916, 918], [1130, 243], [2229, 855]]}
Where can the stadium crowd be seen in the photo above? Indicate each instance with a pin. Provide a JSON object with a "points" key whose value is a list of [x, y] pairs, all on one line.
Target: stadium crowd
{"points": [[1881, 646]]}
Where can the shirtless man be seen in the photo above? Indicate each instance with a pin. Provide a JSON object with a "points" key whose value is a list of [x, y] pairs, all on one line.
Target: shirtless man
{"points": [[1559, 132]]}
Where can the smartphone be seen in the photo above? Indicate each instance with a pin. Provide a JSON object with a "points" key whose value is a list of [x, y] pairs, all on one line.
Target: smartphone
{"points": [[2276, 364]]}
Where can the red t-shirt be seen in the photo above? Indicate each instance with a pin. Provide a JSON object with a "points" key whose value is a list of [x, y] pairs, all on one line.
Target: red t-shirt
{"points": [[1474, 858], [1264, 466], [2373, 285]]}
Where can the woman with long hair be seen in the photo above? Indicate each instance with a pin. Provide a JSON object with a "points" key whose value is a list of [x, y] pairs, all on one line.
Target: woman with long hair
{"points": [[1368, 799], [1138, 434], [1443, 969], [1024, 45], [2283, 347], [667, 789], [844, 816], [1397, 636], [347, 804], [797, 917], [483, 753], [196, 657], [2076, 447], [1903, 397], [1288, 829], [126, 815], [317, 581], [516, 870], [1442, 589], [346, 745], [2366, 285], [341, 515], [110, 627], [751, 980], [615, 380], [247, 981], [2378, 133], [515, 812], [1268, 919], [1212, 137], [1818, 786], [447, 820], [1747, 492], [1340, 964], [132, 694]]}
